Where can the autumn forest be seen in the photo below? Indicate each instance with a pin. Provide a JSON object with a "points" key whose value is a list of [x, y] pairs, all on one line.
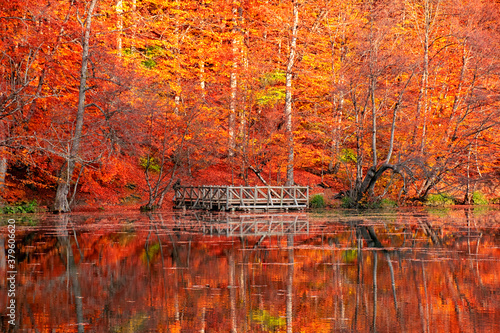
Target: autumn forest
{"points": [[112, 102]]}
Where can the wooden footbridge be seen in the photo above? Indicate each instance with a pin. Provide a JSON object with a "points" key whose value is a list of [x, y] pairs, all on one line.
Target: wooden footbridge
{"points": [[241, 197]]}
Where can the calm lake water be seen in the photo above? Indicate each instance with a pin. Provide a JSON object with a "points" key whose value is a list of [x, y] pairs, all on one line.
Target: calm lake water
{"points": [[398, 271]]}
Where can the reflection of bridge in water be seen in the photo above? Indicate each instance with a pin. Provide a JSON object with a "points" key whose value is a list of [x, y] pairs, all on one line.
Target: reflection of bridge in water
{"points": [[245, 225]]}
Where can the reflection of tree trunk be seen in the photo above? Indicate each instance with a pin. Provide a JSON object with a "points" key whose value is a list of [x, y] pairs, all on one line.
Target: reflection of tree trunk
{"points": [[148, 259], [177, 264], [419, 299], [203, 319], [359, 282], [244, 282], [375, 263], [477, 262], [368, 234], [455, 295], [164, 277], [393, 283], [72, 270], [427, 227], [160, 217], [428, 305], [340, 297], [232, 292], [459, 297], [289, 287]]}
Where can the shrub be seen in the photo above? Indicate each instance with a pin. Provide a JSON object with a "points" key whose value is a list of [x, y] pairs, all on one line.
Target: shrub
{"points": [[21, 207], [317, 201], [388, 203], [440, 199], [347, 202], [479, 198], [367, 203]]}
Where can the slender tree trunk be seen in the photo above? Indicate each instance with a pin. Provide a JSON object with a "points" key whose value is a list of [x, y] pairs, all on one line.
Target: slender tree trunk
{"points": [[423, 102], [233, 104], [177, 33], [134, 19], [360, 154], [288, 95], [244, 67], [119, 24], [61, 200], [373, 87], [234, 89], [202, 80], [373, 83], [337, 103]]}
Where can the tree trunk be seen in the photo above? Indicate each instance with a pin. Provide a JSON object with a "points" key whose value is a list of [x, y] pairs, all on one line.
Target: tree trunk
{"points": [[61, 204], [234, 84], [119, 25], [288, 95]]}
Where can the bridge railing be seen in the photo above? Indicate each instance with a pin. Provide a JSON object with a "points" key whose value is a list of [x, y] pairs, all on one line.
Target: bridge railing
{"points": [[241, 197]]}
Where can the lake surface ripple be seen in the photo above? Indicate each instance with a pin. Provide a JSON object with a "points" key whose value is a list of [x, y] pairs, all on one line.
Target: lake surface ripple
{"points": [[336, 271]]}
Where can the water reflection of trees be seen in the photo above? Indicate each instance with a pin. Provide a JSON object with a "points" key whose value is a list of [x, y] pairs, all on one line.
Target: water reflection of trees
{"points": [[356, 274], [68, 259]]}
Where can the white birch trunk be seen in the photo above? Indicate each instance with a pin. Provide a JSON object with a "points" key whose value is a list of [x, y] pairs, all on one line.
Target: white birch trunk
{"points": [[234, 83], [61, 200], [119, 12], [288, 96]]}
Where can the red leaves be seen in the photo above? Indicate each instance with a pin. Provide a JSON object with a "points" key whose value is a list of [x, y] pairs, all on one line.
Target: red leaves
{"points": [[201, 86]]}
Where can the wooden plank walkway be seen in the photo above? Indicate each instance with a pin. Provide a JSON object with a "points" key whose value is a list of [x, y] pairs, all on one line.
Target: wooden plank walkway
{"points": [[241, 197]]}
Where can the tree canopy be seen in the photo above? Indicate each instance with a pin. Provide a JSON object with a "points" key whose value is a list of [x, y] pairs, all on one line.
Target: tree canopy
{"points": [[113, 101]]}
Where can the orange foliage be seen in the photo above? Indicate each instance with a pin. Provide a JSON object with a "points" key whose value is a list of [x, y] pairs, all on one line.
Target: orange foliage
{"points": [[198, 88]]}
